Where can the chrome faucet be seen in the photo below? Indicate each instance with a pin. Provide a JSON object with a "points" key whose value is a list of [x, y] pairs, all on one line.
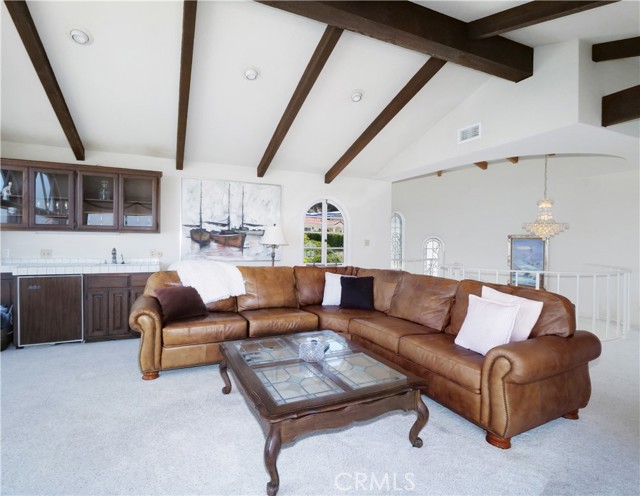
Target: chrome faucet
{"points": [[114, 256]]}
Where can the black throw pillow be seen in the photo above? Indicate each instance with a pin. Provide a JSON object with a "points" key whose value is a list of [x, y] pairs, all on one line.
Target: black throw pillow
{"points": [[357, 292], [180, 302]]}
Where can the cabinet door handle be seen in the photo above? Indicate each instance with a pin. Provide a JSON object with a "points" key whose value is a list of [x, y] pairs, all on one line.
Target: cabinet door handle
{"points": [[33, 287]]}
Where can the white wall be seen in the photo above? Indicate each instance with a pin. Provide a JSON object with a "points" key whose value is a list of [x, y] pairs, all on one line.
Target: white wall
{"points": [[367, 206], [473, 212]]}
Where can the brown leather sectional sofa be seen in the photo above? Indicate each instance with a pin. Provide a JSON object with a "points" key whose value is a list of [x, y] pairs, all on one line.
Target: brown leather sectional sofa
{"points": [[514, 388]]}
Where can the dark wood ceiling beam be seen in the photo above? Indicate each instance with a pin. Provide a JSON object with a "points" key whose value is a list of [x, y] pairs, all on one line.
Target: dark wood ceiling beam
{"points": [[186, 60], [415, 84], [320, 56], [527, 14], [513, 160], [621, 106], [613, 50], [35, 49], [418, 28], [482, 165]]}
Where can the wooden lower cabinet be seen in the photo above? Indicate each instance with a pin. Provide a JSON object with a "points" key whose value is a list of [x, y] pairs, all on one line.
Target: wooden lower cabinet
{"points": [[108, 299], [49, 309]]}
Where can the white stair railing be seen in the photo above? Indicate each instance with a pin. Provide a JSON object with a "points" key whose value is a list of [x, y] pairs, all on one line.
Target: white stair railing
{"points": [[601, 295]]}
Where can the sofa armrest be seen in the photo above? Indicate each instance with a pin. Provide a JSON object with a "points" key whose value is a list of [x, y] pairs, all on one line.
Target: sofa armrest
{"points": [[146, 318], [542, 357], [528, 383]]}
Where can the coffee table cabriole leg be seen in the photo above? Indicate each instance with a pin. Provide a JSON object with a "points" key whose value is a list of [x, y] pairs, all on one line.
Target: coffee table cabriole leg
{"points": [[421, 421], [225, 377], [271, 452]]}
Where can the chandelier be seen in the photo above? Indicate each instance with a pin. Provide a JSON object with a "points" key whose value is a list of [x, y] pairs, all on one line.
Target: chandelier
{"points": [[544, 226]]}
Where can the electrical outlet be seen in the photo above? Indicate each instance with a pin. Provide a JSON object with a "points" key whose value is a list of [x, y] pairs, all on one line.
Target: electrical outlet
{"points": [[46, 253], [156, 254]]}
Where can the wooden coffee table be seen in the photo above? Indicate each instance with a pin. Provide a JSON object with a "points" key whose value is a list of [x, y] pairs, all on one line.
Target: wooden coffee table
{"points": [[291, 397]]}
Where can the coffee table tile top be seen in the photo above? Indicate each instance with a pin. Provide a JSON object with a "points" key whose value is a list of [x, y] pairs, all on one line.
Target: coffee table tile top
{"points": [[296, 382], [278, 349], [359, 371], [264, 351], [287, 379]]}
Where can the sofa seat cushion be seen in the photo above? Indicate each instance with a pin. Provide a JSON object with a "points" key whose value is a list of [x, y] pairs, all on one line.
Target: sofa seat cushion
{"points": [[337, 319], [272, 321], [439, 354], [387, 331], [212, 328]]}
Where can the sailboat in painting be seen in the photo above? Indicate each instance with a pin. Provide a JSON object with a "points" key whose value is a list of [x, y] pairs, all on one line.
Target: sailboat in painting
{"points": [[198, 234], [229, 236], [248, 227]]}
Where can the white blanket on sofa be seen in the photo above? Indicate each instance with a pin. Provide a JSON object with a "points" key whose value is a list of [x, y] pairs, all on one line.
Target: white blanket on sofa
{"points": [[212, 280]]}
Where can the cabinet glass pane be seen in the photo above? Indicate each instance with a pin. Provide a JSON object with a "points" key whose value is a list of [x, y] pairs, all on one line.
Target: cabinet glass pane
{"points": [[51, 198], [137, 201], [98, 200], [12, 187]]}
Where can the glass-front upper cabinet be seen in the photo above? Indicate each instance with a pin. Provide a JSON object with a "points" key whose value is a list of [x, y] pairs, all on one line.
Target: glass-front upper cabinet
{"points": [[52, 199], [13, 210], [97, 201], [139, 196], [66, 197]]}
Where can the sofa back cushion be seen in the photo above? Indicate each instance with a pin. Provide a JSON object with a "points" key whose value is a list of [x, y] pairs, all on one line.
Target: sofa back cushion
{"points": [[267, 287], [310, 282], [425, 300], [385, 282], [170, 278], [557, 316]]}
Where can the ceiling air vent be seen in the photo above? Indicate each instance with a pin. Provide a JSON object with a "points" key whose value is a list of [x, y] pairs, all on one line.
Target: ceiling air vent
{"points": [[469, 133]]}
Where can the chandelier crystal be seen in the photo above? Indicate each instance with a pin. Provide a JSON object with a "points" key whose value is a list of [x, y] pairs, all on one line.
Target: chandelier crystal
{"points": [[545, 226]]}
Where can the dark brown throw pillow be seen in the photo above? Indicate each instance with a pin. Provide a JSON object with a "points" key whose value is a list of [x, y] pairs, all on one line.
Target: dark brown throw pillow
{"points": [[357, 292], [180, 302]]}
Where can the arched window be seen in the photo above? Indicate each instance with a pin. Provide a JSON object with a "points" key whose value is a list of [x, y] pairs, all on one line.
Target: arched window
{"points": [[432, 256], [397, 241], [324, 234]]}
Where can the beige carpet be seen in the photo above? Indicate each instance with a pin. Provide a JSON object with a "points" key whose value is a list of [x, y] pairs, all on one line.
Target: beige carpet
{"points": [[78, 420]]}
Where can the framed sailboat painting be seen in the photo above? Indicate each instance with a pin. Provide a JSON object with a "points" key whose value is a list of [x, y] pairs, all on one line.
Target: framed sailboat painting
{"points": [[225, 220]]}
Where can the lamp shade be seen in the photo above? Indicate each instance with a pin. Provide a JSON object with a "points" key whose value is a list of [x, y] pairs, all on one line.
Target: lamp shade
{"points": [[273, 236]]}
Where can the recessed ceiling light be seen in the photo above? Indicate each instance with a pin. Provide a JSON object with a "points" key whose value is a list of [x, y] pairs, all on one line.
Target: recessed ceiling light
{"points": [[81, 37], [357, 96], [251, 73]]}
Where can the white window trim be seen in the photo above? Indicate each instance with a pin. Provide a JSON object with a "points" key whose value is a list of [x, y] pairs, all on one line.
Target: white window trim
{"points": [[402, 240], [347, 226], [441, 253]]}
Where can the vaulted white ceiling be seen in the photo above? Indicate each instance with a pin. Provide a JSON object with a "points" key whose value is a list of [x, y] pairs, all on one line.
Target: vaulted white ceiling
{"points": [[122, 89]]}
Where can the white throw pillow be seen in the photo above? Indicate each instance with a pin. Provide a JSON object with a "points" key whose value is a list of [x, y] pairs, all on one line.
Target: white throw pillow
{"points": [[332, 289], [488, 324], [527, 316]]}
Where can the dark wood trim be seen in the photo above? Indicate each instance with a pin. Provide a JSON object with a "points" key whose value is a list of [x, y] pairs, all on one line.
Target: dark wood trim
{"points": [[621, 106], [513, 160], [314, 67], [415, 84], [613, 50], [94, 169], [23, 21], [418, 28], [483, 165], [527, 14], [186, 59]]}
